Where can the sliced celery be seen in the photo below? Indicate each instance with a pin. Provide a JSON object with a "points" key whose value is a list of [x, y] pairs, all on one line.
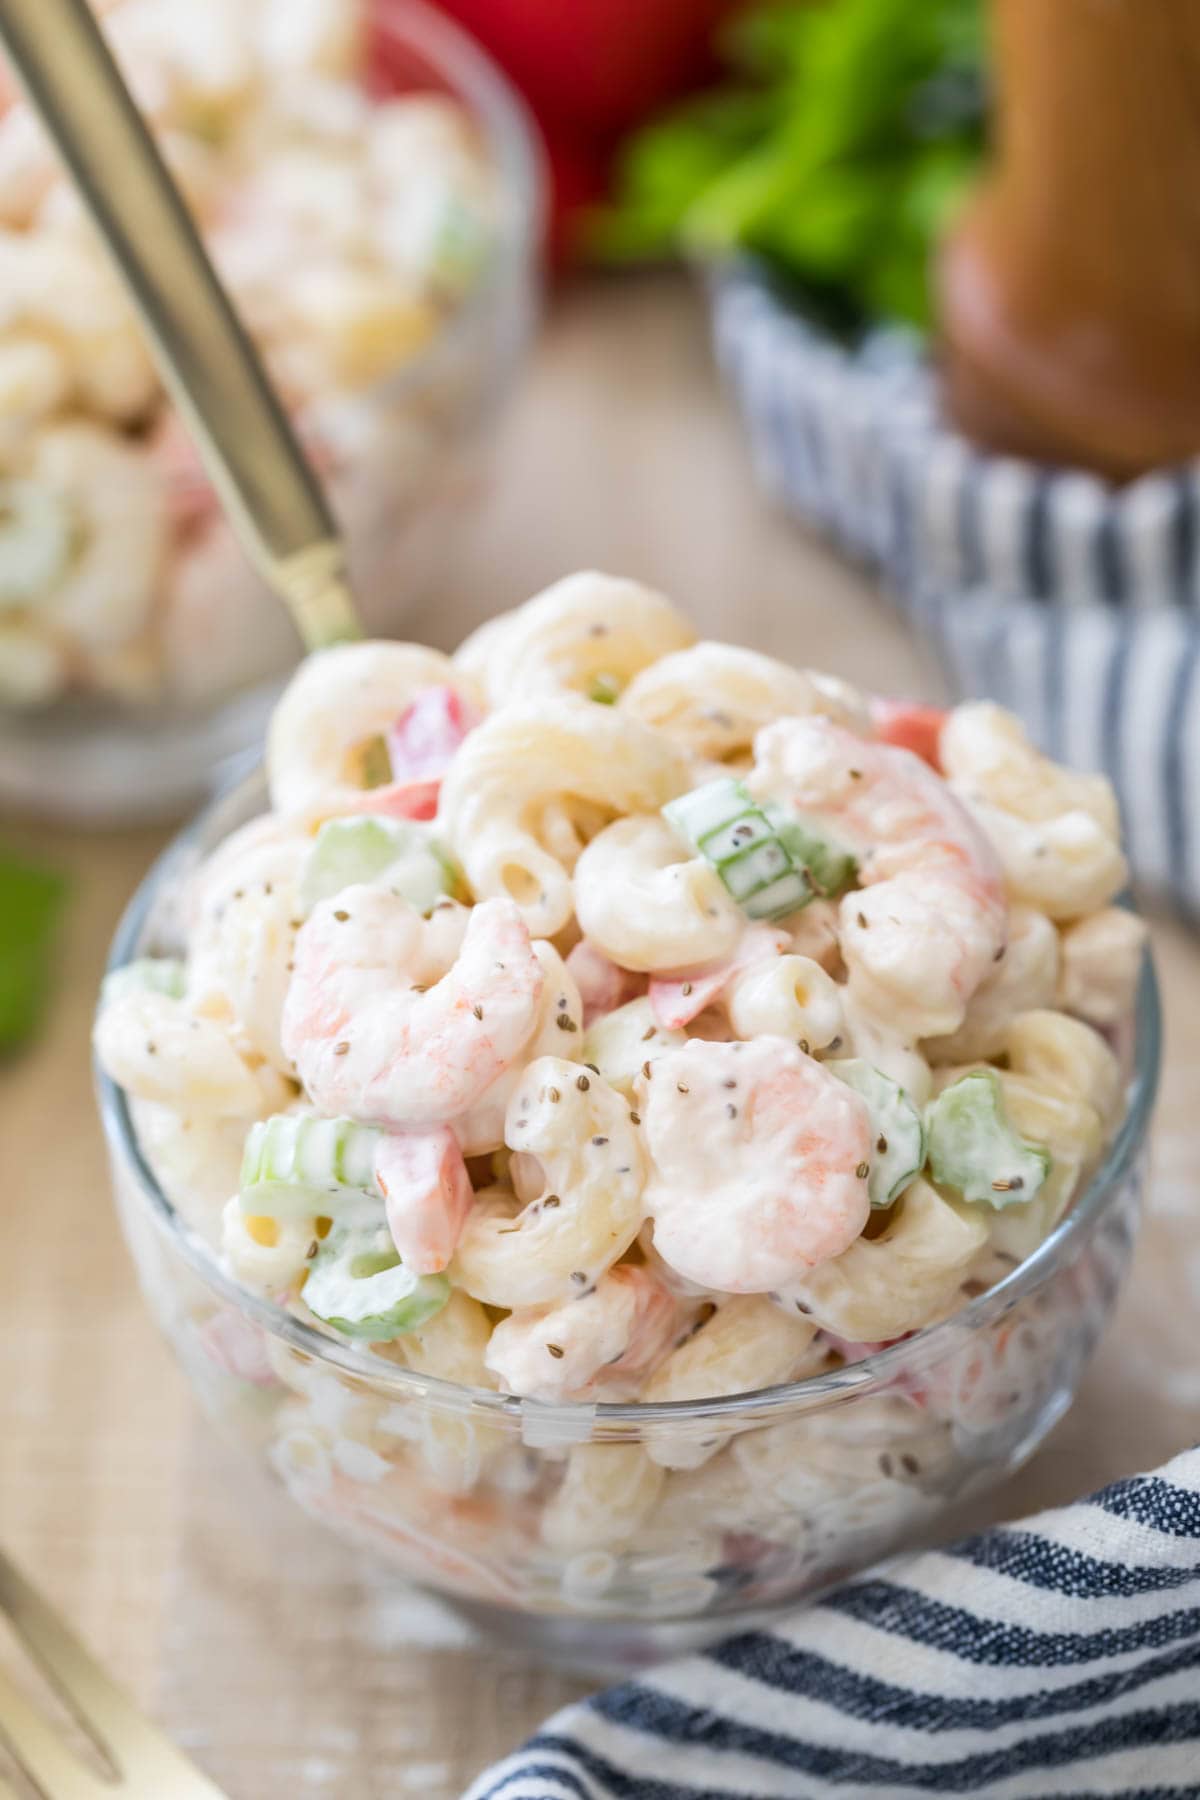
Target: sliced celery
{"points": [[358, 1284], [295, 1167], [974, 1148], [731, 832], [397, 853], [897, 1133]]}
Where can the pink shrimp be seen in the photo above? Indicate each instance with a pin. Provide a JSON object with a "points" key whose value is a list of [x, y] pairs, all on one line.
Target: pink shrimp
{"points": [[375, 1034], [587, 1347], [678, 999], [423, 1178], [931, 918], [603, 985], [760, 1160]]}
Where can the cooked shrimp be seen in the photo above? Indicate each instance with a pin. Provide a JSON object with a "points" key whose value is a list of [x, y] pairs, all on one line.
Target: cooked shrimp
{"points": [[369, 1035], [557, 1033], [931, 918], [615, 1329], [760, 1160]]}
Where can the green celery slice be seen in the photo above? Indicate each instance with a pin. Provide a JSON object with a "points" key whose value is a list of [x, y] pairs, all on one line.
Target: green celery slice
{"points": [[731, 832], [358, 1284], [974, 1148], [295, 1167], [398, 853], [897, 1130], [829, 866]]}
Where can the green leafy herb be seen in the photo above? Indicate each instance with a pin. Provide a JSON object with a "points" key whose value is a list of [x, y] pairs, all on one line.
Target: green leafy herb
{"points": [[30, 901], [845, 139]]}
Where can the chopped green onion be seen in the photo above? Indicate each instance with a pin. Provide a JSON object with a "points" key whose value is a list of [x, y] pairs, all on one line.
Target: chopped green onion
{"points": [[604, 690], [974, 1148], [897, 1133]]}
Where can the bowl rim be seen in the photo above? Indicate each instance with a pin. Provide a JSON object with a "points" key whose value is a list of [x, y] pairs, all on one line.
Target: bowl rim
{"points": [[575, 1419]]}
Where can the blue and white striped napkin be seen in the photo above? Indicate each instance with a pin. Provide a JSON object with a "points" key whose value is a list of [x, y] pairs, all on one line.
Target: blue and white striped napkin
{"points": [[1058, 1657], [1073, 602]]}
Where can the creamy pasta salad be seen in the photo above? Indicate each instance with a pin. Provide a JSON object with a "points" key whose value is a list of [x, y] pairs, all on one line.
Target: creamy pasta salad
{"points": [[348, 228], [602, 1014]]}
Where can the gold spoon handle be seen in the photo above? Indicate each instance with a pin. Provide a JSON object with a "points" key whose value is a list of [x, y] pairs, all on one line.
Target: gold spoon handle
{"points": [[211, 368]]}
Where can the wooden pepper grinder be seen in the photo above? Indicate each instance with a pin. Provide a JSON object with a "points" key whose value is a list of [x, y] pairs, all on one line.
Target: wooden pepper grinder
{"points": [[1070, 288]]}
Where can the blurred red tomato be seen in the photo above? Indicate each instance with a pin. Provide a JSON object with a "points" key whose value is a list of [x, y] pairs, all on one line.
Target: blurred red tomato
{"points": [[596, 67], [589, 70]]}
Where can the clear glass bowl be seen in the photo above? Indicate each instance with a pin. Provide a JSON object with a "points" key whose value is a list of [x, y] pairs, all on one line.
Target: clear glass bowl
{"points": [[607, 1534], [400, 459]]}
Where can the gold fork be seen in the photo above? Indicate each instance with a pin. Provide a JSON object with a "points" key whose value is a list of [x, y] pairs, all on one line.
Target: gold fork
{"points": [[147, 1765]]}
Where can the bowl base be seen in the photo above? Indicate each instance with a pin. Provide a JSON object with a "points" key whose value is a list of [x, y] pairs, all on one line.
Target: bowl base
{"points": [[608, 1649]]}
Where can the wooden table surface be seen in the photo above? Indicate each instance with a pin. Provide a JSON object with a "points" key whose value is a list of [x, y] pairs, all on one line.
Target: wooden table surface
{"points": [[273, 1653]]}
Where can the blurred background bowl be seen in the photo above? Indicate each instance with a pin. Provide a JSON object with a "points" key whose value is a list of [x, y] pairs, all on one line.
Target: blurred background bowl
{"points": [[108, 717]]}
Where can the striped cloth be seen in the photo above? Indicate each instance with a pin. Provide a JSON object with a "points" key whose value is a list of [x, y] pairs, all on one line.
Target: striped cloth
{"points": [[1059, 1657], [1075, 603]]}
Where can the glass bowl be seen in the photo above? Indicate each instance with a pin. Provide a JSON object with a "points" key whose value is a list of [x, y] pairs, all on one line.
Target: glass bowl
{"points": [[175, 698], [609, 1535]]}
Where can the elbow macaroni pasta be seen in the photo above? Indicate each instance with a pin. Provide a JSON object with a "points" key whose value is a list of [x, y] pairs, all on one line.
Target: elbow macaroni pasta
{"points": [[1025, 977], [713, 699], [1100, 959], [786, 996], [648, 906], [747, 1343], [339, 700], [587, 1212], [906, 1277], [526, 755], [585, 629], [552, 1070]]}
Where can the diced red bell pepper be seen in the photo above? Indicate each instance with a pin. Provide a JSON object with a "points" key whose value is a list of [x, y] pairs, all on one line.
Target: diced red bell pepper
{"points": [[676, 1000], [422, 742], [911, 726], [401, 800], [425, 1184], [603, 985]]}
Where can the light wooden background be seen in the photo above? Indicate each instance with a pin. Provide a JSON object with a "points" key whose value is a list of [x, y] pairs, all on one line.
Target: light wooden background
{"points": [[279, 1658]]}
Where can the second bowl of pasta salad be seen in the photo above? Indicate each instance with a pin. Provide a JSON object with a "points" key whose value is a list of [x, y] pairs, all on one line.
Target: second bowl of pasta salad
{"points": [[628, 1128], [369, 190]]}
